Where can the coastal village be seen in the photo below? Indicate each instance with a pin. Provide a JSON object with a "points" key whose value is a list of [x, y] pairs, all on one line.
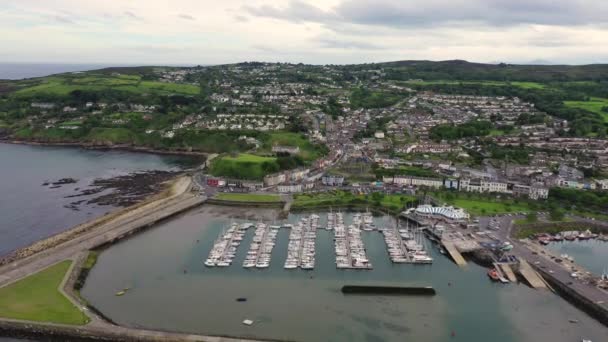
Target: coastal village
{"points": [[468, 175]]}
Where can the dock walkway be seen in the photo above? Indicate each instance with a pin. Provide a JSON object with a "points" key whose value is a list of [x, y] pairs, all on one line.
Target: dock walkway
{"points": [[506, 268], [454, 253], [530, 275]]}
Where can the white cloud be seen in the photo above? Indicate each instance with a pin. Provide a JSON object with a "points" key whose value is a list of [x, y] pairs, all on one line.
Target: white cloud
{"points": [[336, 31]]}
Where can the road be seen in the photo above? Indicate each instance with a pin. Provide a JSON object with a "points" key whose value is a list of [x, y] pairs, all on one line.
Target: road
{"points": [[104, 232], [539, 257]]}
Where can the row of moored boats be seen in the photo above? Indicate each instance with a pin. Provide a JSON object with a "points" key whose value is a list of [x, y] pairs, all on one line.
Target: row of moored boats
{"points": [[301, 246], [260, 250], [404, 245], [350, 250]]}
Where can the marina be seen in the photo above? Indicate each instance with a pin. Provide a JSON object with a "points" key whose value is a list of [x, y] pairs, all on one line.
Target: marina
{"points": [[163, 297], [301, 247], [403, 245], [260, 249], [224, 248], [350, 250]]}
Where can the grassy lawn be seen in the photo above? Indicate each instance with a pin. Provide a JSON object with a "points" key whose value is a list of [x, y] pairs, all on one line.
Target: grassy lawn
{"points": [[37, 298], [114, 135], [524, 85], [64, 85], [341, 198], [248, 158], [244, 166], [594, 105], [485, 207], [308, 151], [479, 206], [248, 197], [496, 133]]}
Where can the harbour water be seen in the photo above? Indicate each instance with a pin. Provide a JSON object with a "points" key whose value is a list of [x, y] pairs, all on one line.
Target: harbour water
{"points": [[591, 254], [171, 289], [30, 211]]}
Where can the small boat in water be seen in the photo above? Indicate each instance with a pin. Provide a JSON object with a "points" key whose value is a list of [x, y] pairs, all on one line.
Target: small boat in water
{"points": [[122, 292], [493, 274]]}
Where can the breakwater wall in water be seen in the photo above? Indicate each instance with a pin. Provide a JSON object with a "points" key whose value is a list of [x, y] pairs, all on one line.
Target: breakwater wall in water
{"points": [[578, 299], [389, 290], [57, 332]]}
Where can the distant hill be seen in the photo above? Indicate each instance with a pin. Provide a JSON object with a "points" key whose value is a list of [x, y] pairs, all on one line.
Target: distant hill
{"points": [[463, 70]]}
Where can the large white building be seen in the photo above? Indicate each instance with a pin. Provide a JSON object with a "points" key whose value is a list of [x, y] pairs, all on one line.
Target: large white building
{"points": [[449, 213], [481, 185], [415, 181], [289, 188]]}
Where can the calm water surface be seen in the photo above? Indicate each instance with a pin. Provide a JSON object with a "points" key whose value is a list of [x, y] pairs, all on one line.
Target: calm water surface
{"points": [[30, 211], [591, 254], [173, 290]]}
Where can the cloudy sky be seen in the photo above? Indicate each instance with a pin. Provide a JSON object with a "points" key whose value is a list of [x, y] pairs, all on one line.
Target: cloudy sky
{"points": [[315, 31]]}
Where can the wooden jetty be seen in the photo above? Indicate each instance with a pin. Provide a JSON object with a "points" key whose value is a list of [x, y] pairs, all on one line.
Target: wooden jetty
{"points": [[530, 275], [506, 269], [454, 253]]}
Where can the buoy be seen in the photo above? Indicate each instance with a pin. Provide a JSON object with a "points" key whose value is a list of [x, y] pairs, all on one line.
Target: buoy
{"points": [[453, 333], [449, 284], [185, 271]]}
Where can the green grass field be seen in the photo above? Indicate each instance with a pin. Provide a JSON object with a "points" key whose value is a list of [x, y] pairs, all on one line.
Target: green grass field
{"points": [[594, 105], [244, 166], [114, 135], [524, 85], [496, 133], [308, 151], [247, 157], [341, 198], [64, 85], [37, 298], [481, 206], [248, 197]]}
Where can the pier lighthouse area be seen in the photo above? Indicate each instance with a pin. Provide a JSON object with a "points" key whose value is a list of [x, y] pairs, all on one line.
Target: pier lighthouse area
{"points": [[172, 289]]}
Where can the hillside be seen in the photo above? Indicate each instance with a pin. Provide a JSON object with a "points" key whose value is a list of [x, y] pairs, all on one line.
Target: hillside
{"points": [[463, 70]]}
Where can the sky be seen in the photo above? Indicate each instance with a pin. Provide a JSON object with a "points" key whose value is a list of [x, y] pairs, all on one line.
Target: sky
{"points": [[173, 32]]}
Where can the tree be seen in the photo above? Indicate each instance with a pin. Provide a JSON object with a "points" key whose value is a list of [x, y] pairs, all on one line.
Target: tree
{"points": [[556, 214], [531, 217]]}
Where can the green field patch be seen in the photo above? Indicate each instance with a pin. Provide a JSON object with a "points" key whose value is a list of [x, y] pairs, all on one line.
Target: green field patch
{"points": [[37, 298], [479, 206], [496, 133], [308, 150], [244, 166], [62, 86], [393, 203], [262, 198], [111, 135], [186, 89], [72, 123], [595, 105], [523, 85], [247, 157]]}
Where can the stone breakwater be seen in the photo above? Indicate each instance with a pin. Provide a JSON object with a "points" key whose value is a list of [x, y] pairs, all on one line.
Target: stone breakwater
{"points": [[52, 332], [74, 232]]}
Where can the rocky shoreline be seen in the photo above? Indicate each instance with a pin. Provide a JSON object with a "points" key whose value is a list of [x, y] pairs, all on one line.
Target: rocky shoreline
{"points": [[122, 191], [96, 146]]}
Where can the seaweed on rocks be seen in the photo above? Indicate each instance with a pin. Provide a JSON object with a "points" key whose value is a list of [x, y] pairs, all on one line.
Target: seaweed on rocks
{"points": [[125, 190]]}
